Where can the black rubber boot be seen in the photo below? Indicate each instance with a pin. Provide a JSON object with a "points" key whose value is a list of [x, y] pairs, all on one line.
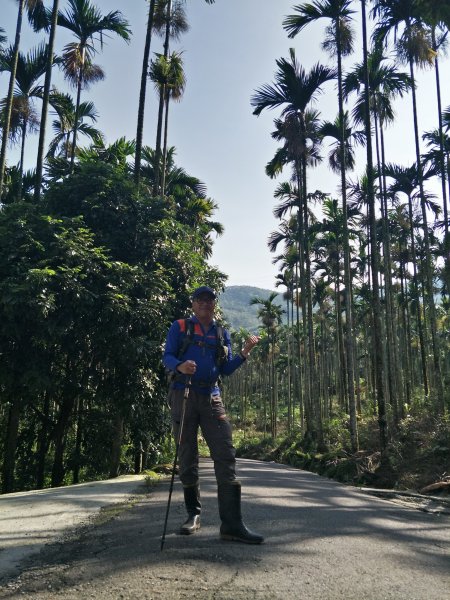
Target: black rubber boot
{"points": [[193, 507], [233, 528]]}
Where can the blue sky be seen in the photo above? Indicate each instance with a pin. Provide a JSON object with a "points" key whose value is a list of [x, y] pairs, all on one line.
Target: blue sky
{"points": [[229, 51]]}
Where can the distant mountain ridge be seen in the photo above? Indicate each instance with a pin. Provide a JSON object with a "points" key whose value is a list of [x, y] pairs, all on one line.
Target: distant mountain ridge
{"points": [[235, 304]]}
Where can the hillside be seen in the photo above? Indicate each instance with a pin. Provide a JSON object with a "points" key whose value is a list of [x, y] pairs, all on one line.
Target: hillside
{"points": [[235, 304]]}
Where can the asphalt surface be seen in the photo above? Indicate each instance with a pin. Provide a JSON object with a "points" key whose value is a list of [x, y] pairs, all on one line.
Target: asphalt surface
{"points": [[323, 541]]}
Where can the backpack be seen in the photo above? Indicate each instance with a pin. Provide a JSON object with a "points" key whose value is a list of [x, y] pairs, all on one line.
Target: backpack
{"points": [[187, 326]]}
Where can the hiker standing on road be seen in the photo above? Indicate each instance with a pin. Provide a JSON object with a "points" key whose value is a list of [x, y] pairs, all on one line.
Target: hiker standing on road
{"points": [[200, 350]]}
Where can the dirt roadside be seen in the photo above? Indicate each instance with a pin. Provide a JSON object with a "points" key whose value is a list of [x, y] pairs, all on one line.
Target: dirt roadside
{"points": [[31, 520]]}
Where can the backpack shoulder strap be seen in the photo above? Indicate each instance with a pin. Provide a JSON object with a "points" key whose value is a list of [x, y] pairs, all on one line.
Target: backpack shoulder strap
{"points": [[219, 334], [186, 327], [221, 347]]}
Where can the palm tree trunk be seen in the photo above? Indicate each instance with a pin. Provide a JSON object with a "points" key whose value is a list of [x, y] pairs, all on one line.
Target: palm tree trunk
{"points": [[77, 111], [298, 372], [166, 128], [9, 100], [340, 354], [22, 154], [423, 349], [303, 333], [315, 425], [350, 367], [405, 334], [162, 95], [376, 308], [442, 159], [142, 94], [438, 385], [45, 103], [289, 379], [388, 313]]}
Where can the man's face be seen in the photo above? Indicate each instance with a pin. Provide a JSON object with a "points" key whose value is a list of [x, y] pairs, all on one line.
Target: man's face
{"points": [[203, 307]]}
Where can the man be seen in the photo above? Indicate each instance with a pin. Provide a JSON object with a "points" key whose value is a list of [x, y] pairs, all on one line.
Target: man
{"points": [[200, 356]]}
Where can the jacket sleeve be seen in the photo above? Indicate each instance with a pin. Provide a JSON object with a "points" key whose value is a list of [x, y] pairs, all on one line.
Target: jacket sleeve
{"points": [[232, 363], [170, 359]]}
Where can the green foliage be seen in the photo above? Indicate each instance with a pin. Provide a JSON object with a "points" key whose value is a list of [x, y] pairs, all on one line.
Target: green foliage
{"points": [[89, 281]]}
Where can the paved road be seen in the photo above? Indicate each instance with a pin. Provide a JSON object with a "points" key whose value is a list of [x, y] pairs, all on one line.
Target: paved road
{"points": [[323, 541]]}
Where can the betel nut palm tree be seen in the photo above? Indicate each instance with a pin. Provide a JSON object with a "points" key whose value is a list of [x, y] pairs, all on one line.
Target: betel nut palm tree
{"points": [[89, 27], [44, 19], [143, 84], [270, 315], [294, 89], [30, 68], [167, 75], [64, 124], [32, 7], [436, 15], [339, 43], [386, 82], [377, 350], [143, 92], [413, 46], [169, 22]]}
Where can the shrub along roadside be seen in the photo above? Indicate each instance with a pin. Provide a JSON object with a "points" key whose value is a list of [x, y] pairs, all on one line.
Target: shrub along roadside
{"points": [[418, 457]]}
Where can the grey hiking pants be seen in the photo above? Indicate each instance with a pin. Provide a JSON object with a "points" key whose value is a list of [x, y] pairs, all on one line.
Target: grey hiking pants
{"points": [[207, 412]]}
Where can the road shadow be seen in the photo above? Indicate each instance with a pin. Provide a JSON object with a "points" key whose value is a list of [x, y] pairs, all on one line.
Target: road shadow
{"points": [[304, 517]]}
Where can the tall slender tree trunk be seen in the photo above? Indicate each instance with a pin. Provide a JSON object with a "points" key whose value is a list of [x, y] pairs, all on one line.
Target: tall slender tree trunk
{"points": [[303, 334], [77, 110], [45, 103], [142, 94], [22, 155], [376, 308], [350, 367], [289, 359], [162, 96], [315, 425], [340, 353], [405, 333], [442, 161], [9, 100], [386, 273], [164, 154], [423, 347], [438, 385]]}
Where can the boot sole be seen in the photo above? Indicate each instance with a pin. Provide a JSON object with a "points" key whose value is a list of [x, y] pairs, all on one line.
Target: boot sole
{"points": [[189, 531], [233, 538]]}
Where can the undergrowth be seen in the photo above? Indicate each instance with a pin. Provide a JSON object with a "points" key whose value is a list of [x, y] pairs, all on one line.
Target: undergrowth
{"points": [[417, 456]]}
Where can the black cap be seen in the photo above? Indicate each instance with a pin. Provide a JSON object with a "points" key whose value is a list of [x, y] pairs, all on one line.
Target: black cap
{"points": [[204, 289]]}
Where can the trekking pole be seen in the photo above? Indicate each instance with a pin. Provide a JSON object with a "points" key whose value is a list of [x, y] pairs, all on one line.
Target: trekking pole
{"points": [[177, 446]]}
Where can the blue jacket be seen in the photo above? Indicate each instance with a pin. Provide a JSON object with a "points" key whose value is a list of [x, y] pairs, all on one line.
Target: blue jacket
{"points": [[204, 355]]}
